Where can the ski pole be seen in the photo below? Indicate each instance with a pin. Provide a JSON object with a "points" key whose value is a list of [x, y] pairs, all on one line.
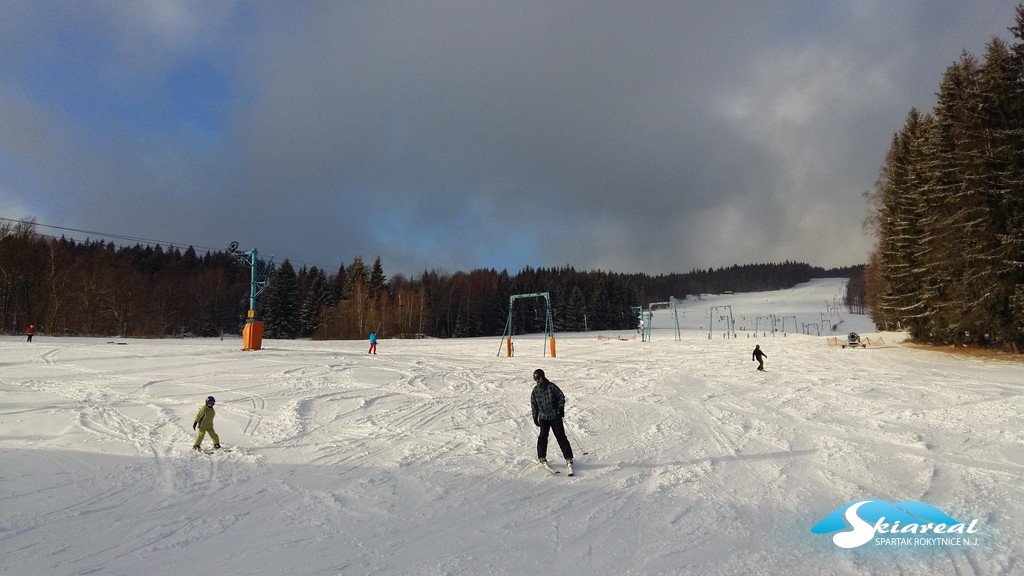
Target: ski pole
{"points": [[578, 443]]}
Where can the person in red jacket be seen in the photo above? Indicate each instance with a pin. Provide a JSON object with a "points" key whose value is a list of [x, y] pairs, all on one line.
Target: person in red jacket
{"points": [[31, 331]]}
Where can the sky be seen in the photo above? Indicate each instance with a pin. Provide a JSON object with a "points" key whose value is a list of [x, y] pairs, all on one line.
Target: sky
{"points": [[650, 137]]}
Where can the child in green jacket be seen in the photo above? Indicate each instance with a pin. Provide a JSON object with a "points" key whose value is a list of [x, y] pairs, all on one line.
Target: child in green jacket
{"points": [[204, 423]]}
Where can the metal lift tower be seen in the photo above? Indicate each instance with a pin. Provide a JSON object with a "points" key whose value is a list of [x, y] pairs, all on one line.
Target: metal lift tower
{"points": [[549, 325], [259, 279], [726, 316], [673, 304]]}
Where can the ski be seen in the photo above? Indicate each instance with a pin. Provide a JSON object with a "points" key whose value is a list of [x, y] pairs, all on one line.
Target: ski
{"points": [[205, 451], [550, 470]]}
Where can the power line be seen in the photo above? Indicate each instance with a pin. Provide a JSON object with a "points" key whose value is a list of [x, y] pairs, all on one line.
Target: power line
{"points": [[148, 241], [110, 235]]}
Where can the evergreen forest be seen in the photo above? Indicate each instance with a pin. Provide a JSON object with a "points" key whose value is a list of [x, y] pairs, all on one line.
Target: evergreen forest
{"points": [[948, 208], [96, 288]]}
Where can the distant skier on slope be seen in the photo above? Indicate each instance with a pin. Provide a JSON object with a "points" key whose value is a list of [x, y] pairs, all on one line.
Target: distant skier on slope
{"points": [[759, 356], [204, 422], [31, 331], [373, 343], [548, 404]]}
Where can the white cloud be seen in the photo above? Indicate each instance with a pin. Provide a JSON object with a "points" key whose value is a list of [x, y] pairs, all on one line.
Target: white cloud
{"points": [[11, 206], [173, 24]]}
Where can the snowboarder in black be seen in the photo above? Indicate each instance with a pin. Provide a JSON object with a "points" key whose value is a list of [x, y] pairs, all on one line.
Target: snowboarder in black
{"points": [[759, 356], [548, 405]]}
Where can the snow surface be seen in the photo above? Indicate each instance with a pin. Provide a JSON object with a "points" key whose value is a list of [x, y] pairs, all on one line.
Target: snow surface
{"points": [[420, 460]]}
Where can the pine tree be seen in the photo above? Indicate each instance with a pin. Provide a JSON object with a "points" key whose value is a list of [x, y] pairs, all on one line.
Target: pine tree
{"points": [[356, 279], [316, 299], [951, 194], [1001, 109], [574, 310], [901, 226], [377, 281], [1012, 182], [502, 293], [281, 309], [356, 288], [600, 305], [979, 293], [302, 279], [340, 284]]}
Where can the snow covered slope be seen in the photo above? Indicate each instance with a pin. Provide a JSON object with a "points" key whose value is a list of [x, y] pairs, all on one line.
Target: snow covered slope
{"points": [[420, 460], [809, 303]]}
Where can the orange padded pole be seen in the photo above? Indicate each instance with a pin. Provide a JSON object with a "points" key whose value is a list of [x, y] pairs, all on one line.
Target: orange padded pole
{"points": [[252, 336]]}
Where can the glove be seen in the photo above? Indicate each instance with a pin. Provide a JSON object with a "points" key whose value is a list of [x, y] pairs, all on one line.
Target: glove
{"points": [[561, 413], [194, 425]]}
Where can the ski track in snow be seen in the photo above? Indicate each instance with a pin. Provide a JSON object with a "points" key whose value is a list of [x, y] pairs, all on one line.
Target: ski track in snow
{"points": [[420, 460]]}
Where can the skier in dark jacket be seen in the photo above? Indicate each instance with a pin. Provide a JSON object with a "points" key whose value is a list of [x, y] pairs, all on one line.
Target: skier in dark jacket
{"points": [[759, 356], [548, 405]]}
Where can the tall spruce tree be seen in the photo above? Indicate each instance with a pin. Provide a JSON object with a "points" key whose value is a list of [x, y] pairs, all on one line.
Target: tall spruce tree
{"points": [[317, 298], [281, 304], [377, 281], [900, 225], [952, 196], [575, 309], [1001, 82], [340, 284], [1013, 182]]}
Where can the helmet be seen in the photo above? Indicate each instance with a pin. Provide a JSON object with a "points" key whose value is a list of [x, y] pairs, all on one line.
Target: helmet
{"points": [[210, 399], [538, 375]]}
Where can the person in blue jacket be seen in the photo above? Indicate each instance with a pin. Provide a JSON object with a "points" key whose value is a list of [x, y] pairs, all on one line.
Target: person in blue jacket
{"points": [[373, 343]]}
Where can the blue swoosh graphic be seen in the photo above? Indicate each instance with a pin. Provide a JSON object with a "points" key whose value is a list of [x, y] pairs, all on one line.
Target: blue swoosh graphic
{"points": [[904, 512]]}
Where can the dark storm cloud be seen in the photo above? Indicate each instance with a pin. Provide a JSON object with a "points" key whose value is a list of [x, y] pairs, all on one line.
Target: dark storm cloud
{"points": [[647, 136]]}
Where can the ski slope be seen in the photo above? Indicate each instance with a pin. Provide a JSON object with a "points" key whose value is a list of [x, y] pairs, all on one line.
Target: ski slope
{"points": [[420, 460]]}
